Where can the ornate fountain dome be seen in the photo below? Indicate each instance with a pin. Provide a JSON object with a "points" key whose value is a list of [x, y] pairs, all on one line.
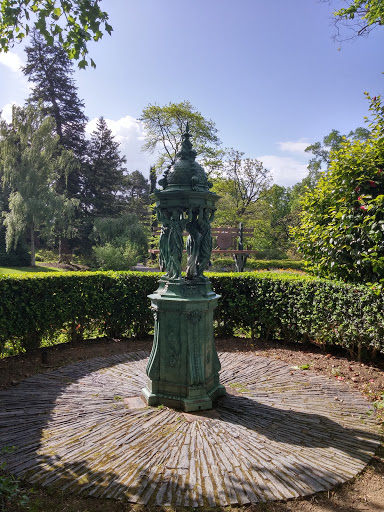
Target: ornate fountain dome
{"points": [[185, 173]]}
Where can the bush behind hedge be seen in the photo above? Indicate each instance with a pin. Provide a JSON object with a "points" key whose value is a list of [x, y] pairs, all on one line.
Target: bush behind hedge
{"points": [[221, 263], [292, 307]]}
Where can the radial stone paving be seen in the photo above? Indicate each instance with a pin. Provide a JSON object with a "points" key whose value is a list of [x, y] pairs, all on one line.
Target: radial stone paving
{"points": [[278, 434]]}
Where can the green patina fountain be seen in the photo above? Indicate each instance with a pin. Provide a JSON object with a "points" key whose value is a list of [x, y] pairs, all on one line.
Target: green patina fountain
{"points": [[183, 368]]}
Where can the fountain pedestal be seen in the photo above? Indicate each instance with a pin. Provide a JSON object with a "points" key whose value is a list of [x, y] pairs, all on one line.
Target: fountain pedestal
{"points": [[183, 369]]}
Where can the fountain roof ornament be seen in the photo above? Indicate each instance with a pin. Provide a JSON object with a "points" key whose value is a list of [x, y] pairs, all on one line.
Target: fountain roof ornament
{"points": [[185, 173]]}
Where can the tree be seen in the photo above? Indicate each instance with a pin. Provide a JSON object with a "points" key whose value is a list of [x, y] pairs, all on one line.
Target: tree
{"points": [[106, 173], [164, 127], [322, 151], [135, 195], [120, 242], [360, 17], [118, 230], [30, 162], [50, 71], [277, 213], [70, 23], [241, 183], [320, 163], [13, 257], [342, 219]]}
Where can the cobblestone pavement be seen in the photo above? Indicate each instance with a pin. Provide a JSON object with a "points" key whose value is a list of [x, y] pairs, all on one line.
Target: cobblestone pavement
{"points": [[279, 433]]}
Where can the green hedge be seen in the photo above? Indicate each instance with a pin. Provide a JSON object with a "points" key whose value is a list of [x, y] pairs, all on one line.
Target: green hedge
{"points": [[302, 309], [292, 307], [43, 305]]}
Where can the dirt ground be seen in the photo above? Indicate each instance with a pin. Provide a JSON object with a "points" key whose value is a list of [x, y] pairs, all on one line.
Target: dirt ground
{"points": [[364, 493]]}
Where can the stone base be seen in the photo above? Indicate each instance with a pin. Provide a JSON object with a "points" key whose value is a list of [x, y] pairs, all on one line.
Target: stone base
{"points": [[260, 446], [186, 404]]}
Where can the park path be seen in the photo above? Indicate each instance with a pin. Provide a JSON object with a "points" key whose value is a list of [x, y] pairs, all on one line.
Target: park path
{"points": [[279, 433]]}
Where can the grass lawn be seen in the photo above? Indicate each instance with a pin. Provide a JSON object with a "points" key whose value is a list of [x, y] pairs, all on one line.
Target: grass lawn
{"points": [[4, 271]]}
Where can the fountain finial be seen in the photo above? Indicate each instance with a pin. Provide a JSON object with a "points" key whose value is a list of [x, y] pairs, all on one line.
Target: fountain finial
{"points": [[185, 173]]}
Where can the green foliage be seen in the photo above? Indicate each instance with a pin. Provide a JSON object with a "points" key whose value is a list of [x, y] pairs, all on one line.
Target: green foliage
{"points": [[240, 183], [30, 164], [360, 17], [122, 236], [105, 174], [18, 257], [135, 195], [33, 307], [98, 185], [164, 126], [322, 151], [319, 164], [72, 23], [279, 264], [228, 263], [53, 88], [50, 72], [300, 308], [243, 185], [294, 307], [271, 235], [342, 219], [110, 257], [11, 493]]}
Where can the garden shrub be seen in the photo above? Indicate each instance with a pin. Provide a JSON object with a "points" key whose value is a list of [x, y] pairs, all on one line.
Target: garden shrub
{"points": [[15, 257], [278, 306], [110, 257], [281, 264], [229, 263], [341, 229]]}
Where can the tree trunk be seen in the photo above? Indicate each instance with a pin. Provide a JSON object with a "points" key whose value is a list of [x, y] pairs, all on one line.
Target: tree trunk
{"points": [[65, 253], [360, 352], [33, 255]]}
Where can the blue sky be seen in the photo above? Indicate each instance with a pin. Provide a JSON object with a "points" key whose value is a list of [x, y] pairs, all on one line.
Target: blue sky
{"points": [[267, 73]]}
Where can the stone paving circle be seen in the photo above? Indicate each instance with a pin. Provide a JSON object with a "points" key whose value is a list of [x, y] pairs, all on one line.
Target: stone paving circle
{"points": [[279, 433]]}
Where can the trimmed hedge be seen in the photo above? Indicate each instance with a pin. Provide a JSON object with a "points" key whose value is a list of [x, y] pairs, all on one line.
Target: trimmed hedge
{"points": [[292, 307], [40, 305], [302, 309]]}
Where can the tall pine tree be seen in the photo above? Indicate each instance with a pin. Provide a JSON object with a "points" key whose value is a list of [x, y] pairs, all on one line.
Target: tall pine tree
{"points": [[106, 173], [50, 71]]}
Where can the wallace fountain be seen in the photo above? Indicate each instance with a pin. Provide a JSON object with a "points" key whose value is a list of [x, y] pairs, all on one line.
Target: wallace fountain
{"points": [[183, 368], [267, 431]]}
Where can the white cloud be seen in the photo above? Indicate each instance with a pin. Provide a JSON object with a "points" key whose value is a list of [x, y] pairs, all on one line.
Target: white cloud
{"points": [[6, 111], [294, 146], [129, 132], [286, 171], [12, 61]]}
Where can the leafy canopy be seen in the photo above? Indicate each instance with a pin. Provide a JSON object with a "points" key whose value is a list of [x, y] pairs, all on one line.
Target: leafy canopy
{"points": [[342, 218], [164, 127], [30, 164], [72, 22], [240, 182], [360, 17]]}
